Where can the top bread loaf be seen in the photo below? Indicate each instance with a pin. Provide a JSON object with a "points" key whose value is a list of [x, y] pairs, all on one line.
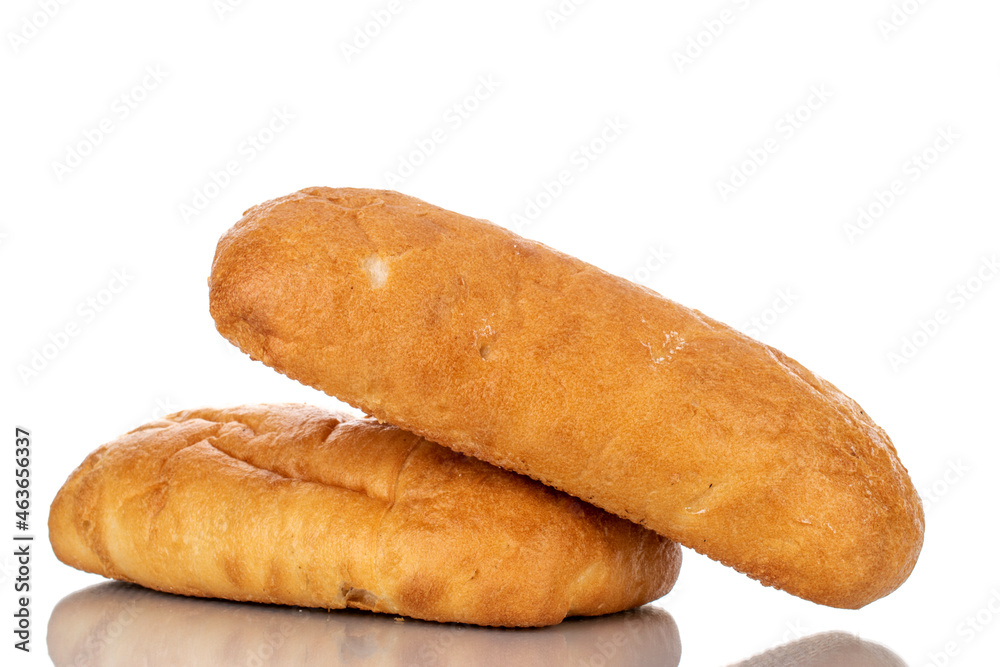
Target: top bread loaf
{"points": [[506, 350]]}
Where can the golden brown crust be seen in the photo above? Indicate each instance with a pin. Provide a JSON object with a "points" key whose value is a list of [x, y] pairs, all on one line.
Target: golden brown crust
{"points": [[506, 350], [295, 505]]}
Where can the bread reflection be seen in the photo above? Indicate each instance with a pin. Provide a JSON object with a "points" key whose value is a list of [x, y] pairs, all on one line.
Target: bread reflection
{"points": [[121, 624], [829, 649]]}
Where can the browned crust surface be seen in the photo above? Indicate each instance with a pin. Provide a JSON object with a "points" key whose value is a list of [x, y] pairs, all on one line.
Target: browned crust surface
{"points": [[295, 505], [506, 350]]}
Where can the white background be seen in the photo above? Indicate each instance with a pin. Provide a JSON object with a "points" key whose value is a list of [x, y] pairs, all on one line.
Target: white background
{"points": [[781, 238]]}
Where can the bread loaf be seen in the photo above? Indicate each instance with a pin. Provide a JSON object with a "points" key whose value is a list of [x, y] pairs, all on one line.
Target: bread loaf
{"points": [[506, 350], [294, 505]]}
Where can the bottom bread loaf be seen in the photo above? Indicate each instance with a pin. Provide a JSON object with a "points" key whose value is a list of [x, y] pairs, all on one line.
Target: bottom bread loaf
{"points": [[291, 504]]}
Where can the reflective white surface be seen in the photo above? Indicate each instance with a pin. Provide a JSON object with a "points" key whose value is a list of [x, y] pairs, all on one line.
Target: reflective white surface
{"points": [[120, 625]]}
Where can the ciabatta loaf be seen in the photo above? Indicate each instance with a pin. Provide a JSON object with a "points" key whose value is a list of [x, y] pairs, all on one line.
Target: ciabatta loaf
{"points": [[508, 351], [294, 505]]}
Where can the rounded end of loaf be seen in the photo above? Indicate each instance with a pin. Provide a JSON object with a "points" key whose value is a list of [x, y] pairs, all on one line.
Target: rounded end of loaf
{"points": [[822, 509], [73, 524], [849, 569], [830, 514]]}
